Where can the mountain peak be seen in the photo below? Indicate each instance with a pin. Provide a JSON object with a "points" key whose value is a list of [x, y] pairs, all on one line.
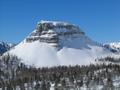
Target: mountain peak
{"points": [[58, 34], [58, 43], [53, 25]]}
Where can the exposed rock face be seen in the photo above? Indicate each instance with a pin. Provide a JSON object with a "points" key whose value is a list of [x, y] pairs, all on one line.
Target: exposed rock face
{"points": [[53, 32]]}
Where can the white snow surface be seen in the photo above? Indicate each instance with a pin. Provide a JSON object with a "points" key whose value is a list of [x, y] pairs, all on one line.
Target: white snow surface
{"points": [[42, 55]]}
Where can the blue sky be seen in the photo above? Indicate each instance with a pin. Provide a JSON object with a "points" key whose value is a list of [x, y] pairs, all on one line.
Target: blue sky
{"points": [[99, 19]]}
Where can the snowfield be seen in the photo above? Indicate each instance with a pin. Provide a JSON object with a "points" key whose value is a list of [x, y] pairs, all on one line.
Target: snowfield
{"points": [[41, 54]]}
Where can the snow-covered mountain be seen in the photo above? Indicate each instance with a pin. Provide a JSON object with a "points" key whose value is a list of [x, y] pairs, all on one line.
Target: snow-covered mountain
{"points": [[5, 47], [59, 35], [114, 47], [55, 43]]}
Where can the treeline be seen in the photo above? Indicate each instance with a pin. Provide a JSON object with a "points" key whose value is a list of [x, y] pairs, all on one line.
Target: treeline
{"points": [[15, 75], [110, 60]]}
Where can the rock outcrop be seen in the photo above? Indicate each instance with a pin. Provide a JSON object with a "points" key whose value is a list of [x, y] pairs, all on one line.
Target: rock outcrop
{"points": [[54, 33]]}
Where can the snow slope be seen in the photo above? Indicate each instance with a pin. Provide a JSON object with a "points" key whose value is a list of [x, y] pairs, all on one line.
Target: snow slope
{"points": [[41, 54], [58, 43]]}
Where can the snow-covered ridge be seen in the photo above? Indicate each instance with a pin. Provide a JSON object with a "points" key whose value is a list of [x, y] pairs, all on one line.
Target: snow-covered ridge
{"points": [[114, 47], [115, 44], [5, 47], [55, 23]]}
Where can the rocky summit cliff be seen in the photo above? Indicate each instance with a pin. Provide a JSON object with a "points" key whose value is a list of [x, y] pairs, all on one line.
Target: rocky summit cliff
{"points": [[59, 35]]}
